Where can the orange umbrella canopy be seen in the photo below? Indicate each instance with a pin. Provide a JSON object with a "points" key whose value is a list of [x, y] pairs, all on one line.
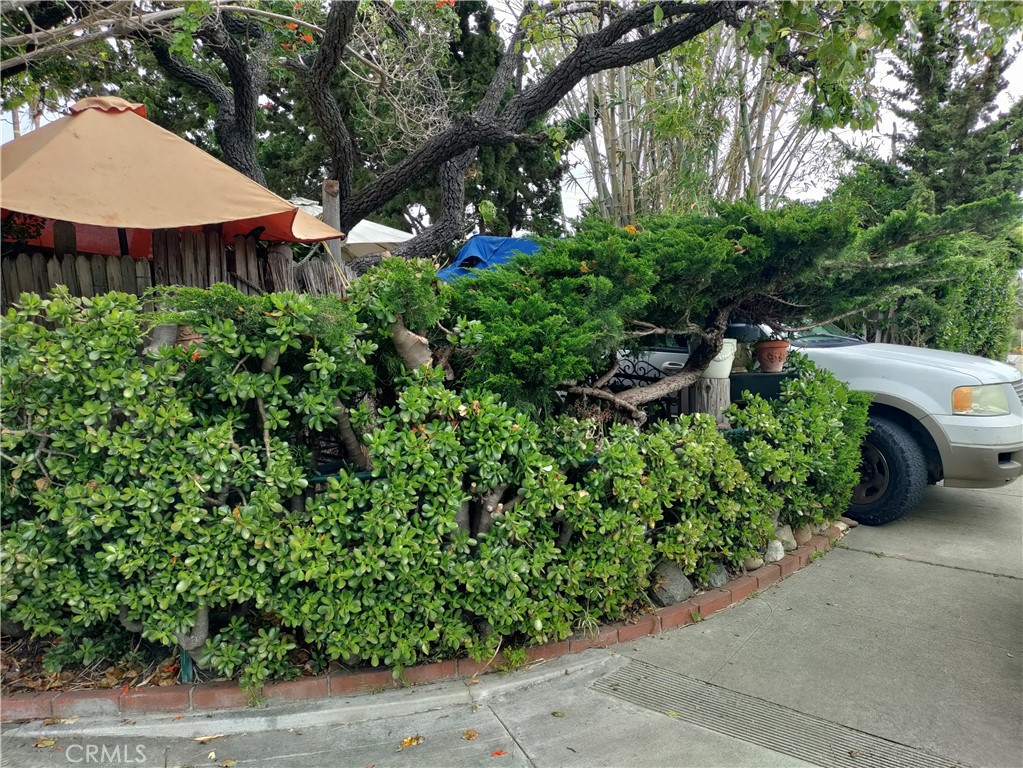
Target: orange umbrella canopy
{"points": [[105, 167]]}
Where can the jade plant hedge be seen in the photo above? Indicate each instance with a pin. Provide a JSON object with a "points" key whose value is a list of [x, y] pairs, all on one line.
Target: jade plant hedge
{"points": [[288, 482]]}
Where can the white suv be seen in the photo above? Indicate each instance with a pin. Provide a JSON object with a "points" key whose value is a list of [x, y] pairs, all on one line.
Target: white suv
{"points": [[936, 416]]}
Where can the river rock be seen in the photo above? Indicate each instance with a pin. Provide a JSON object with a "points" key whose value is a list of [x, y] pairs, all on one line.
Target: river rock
{"points": [[784, 534], [718, 577], [752, 563], [670, 584], [848, 521], [803, 534], [775, 551]]}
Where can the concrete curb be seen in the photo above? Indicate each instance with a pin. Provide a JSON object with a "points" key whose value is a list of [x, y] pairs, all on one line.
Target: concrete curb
{"points": [[344, 683]]}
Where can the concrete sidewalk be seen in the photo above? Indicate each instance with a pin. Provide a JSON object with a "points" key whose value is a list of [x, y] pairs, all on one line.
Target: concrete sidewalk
{"points": [[903, 647]]}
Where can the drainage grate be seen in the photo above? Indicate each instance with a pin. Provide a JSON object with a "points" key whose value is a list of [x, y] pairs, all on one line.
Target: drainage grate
{"points": [[769, 725]]}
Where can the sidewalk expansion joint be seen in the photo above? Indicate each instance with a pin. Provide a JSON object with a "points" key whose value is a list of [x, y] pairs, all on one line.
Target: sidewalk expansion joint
{"points": [[904, 558], [511, 735], [755, 721]]}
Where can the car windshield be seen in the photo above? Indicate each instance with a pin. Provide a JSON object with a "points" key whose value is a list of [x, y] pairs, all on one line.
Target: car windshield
{"points": [[826, 335]]}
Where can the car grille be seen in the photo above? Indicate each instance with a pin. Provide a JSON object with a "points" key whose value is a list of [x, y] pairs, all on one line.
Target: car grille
{"points": [[1018, 386]]}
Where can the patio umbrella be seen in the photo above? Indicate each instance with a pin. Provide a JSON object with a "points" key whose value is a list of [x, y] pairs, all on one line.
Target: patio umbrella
{"points": [[117, 177]]}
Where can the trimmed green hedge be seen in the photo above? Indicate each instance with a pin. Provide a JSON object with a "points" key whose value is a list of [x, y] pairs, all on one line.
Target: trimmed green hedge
{"points": [[151, 492]]}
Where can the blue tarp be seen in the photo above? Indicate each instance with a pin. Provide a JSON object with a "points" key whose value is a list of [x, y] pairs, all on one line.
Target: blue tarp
{"points": [[484, 252]]}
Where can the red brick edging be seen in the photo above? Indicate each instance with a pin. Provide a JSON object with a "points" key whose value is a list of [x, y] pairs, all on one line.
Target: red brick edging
{"points": [[189, 698]]}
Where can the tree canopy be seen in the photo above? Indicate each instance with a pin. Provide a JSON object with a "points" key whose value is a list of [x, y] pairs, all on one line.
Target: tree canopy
{"points": [[432, 87]]}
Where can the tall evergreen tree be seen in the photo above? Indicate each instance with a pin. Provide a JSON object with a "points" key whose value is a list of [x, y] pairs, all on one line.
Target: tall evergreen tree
{"points": [[956, 148], [964, 150]]}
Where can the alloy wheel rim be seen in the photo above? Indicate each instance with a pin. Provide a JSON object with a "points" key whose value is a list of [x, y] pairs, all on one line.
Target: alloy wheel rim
{"points": [[875, 476]]}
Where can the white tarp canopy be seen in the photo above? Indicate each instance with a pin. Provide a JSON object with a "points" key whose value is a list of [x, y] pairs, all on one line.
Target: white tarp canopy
{"points": [[365, 238]]}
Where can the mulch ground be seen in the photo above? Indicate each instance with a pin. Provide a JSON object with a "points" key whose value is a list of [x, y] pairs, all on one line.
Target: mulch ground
{"points": [[22, 670]]}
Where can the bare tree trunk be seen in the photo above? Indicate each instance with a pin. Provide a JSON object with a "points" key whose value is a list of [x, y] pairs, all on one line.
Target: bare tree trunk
{"points": [[193, 640], [354, 450], [413, 349]]}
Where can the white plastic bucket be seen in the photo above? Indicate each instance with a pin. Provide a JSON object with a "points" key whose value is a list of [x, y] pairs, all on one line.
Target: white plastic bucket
{"points": [[721, 365]]}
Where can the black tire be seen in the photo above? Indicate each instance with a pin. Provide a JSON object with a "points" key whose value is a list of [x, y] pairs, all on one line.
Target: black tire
{"points": [[893, 474]]}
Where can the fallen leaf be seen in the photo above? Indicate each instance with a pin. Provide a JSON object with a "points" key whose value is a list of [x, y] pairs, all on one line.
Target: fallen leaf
{"points": [[498, 753], [672, 714], [410, 741], [228, 763], [60, 720], [178, 717], [125, 690], [44, 743], [211, 756], [558, 714], [206, 739], [853, 753], [470, 735]]}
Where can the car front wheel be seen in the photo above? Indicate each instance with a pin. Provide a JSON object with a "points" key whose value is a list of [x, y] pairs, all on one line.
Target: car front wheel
{"points": [[893, 474]]}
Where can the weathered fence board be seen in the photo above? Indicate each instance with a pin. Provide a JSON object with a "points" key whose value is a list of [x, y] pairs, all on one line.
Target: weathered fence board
{"points": [[39, 270], [84, 270], [24, 269], [113, 269], [9, 277], [67, 268], [240, 263], [143, 277], [319, 277], [54, 274], [215, 254], [174, 270], [160, 257], [128, 275], [190, 256], [281, 268]]}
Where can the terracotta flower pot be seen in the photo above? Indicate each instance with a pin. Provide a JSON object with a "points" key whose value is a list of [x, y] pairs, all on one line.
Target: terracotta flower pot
{"points": [[772, 354]]}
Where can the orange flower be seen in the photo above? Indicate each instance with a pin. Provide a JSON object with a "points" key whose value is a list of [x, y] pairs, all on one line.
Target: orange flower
{"points": [[307, 38], [631, 229], [297, 6], [292, 26], [195, 356]]}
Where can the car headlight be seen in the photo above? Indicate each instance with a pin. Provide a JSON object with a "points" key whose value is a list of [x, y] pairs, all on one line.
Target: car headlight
{"points": [[985, 400]]}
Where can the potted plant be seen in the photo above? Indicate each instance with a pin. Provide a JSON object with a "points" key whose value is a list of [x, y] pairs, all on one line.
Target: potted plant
{"points": [[772, 352]]}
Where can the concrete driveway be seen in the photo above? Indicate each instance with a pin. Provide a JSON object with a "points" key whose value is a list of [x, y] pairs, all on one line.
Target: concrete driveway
{"points": [[902, 647]]}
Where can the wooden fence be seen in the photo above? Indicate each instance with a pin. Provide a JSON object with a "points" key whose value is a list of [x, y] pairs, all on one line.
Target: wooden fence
{"points": [[84, 275], [196, 259]]}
